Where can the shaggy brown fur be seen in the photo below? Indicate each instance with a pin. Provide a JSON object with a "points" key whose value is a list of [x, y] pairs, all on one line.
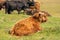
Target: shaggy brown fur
{"points": [[46, 13], [33, 8], [29, 25], [37, 6]]}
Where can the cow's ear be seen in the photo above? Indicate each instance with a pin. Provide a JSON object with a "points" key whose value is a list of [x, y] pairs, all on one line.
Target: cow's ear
{"points": [[46, 13]]}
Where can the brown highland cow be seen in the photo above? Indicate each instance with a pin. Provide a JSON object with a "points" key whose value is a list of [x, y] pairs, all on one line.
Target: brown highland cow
{"points": [[29, 25]]}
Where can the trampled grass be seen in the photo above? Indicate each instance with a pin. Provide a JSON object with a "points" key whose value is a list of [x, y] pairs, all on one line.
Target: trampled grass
{"points": [[50, 29]]}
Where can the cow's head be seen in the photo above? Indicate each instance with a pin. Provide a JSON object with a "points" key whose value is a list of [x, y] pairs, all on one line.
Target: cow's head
{"points": [[41, 17]]}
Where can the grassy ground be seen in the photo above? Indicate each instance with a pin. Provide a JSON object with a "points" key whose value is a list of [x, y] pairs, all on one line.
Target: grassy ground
{"points": [[51, 29]]}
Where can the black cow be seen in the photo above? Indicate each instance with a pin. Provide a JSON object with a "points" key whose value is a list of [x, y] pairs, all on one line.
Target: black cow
{"points": [[17, 5], [13, 5], [26, 2]]}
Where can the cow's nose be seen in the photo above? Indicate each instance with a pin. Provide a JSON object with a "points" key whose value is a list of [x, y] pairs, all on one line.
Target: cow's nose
{"points": [[45, 20]]}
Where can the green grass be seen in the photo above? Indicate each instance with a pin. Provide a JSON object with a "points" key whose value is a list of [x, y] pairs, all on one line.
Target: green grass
{"points": [[50, 29]]}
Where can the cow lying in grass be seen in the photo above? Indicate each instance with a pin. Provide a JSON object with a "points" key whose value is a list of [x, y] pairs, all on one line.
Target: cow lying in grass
{"points": [[29, 25]]}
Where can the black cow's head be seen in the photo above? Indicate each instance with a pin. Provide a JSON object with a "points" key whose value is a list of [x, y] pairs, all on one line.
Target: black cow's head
{"points": [[30, 2]]}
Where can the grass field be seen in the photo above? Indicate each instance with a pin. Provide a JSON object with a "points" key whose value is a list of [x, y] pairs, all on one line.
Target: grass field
{"points": [[50, 29]]}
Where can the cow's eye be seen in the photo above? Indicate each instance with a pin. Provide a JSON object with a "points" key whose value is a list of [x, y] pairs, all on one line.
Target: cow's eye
{"points": [[39, 14]]}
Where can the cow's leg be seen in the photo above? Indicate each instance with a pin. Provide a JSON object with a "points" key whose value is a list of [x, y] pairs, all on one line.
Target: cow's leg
{"points": [[6, 11], [18, 11], [9, 11], [0, 7]]}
